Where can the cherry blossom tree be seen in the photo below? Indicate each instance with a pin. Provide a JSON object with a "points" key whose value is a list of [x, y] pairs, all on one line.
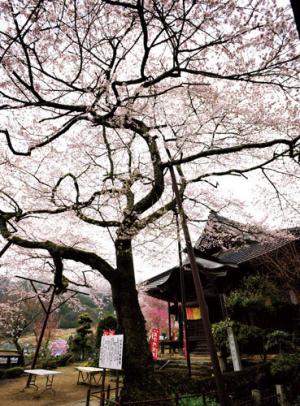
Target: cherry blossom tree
{"points": [[155, 312], [18, 311], [94, 92], [58, 347]]}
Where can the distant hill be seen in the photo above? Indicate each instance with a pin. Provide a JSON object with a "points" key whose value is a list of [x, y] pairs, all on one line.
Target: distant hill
{"points": [[68, 316]]}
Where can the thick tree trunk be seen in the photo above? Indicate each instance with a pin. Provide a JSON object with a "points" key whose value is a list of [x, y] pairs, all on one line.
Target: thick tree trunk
{"points": [[140, 381]]}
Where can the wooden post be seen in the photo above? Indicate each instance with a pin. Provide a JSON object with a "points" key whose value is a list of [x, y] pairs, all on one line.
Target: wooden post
{"points": [[280, 392], [183, 299], [38, 347], [223, 398], [256, 397]]}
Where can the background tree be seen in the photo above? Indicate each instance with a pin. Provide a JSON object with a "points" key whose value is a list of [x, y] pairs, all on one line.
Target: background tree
{"points": [[13, 324], [91, 95], [284, 267], [107, 323], [18, 312], [155, 312], [82, 341]]}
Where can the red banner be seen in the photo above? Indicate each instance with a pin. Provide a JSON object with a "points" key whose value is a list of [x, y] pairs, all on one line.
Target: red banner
{"points": [[109, 332], [154, 343]]}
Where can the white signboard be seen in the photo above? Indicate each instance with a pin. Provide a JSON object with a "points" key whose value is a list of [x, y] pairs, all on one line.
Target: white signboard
{"points": [[111, 352], [235, 356]]}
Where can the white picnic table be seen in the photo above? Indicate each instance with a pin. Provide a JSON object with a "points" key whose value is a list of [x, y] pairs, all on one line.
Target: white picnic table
{"points": [[88, 374], [48, 374]]}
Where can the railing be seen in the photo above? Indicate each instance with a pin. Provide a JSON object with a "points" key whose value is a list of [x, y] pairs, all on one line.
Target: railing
{"points": [[111, 397], [207, 399], [104, 396], [176, 400]]}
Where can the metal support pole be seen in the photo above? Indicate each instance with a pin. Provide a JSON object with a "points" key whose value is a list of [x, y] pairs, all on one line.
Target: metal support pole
{"points": [[117, 386], [223, 399], [102, 397], [88, 397]]}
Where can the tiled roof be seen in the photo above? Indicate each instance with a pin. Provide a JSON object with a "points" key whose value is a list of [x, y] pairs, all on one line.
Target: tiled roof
{"points": [[158, 280], [245, 243], [234, 242], [250, 252]]}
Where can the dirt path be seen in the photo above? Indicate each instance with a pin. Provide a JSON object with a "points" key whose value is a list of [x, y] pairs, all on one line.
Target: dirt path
{"points": [[65, 385]]}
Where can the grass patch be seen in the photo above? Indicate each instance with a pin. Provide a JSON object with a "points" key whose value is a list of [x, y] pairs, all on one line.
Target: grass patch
{"points": [[197, 401]]}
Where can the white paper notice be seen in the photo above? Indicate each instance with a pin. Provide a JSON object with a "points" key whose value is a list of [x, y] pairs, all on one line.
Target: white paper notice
{"points": [[111, 352]]}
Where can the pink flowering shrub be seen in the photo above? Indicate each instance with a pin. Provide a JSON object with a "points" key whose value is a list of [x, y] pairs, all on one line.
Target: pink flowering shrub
{"points": [[58, 347]]}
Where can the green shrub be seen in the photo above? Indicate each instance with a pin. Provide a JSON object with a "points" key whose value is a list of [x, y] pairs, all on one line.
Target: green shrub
{"points": [[197, 401], [286, 370], [2, 373], [54, 362], [13, 372], [64, 359], [219, 331], [278, 341], [256, 293], [249, 338], [49, 363]]}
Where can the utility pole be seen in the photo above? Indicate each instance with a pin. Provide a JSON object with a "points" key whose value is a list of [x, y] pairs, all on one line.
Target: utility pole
{"points": [[223, 398]]}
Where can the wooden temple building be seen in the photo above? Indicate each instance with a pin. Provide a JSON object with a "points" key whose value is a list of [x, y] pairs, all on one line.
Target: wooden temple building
{"points": [[225, 252]]}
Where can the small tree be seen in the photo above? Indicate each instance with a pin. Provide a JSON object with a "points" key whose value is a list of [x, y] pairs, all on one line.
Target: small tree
{"points": [[82, 340], [107, 323], [254, 310]]}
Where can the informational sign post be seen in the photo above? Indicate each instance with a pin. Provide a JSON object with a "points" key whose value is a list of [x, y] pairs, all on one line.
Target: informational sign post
{"points": [[111, 351], [235, 356]]}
